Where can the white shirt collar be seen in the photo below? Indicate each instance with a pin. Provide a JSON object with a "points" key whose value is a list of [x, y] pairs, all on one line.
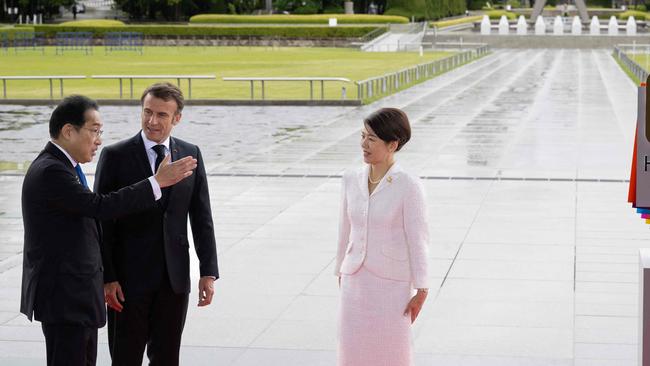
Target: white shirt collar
{"points": [[72, 161], [148, 144]]}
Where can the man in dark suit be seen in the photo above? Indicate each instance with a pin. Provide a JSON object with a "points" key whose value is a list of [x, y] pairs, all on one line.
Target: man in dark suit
{"points": [[62, 284], [146, 254]]}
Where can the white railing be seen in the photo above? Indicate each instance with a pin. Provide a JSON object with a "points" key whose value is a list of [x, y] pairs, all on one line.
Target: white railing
{"points": [[130, 78], [51, 79], [390, 83], [621, 53], [263, 80]]}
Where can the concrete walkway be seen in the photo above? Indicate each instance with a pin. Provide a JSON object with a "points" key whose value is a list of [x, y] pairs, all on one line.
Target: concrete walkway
{"points": [[400, 37], [533, 251]]}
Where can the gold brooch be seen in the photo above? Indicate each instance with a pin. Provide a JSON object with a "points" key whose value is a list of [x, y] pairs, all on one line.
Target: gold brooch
{"points": [[389, 179]]}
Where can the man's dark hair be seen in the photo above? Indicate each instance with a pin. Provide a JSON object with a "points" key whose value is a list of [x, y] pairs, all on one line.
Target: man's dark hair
{"points": [[390, 124], [71, 110], [166, 91]]}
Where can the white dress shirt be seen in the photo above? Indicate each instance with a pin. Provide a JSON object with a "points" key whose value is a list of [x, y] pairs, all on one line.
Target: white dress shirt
{"points": [[151, 153], [386, 231], [157, 193], [72, 161]]}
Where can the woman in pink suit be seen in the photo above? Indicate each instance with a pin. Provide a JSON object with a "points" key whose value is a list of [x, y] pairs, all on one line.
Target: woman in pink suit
{"points": [[382, 249]]}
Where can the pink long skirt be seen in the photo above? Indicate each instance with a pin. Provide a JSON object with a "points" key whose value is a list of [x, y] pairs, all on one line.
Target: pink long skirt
{"points": [[373, 330]]}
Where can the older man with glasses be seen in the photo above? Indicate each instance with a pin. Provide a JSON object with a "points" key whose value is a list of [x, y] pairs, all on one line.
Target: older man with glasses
{"points": [[62, 283]]}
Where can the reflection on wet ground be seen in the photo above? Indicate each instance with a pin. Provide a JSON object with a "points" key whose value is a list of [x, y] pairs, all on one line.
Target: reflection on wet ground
{"points": [[18, 119], [526, 114], [22, 135], [225, 134], [523, 114]]}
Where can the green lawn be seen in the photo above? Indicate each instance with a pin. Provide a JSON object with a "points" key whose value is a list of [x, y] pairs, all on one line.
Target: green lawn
{"points": [[642, 60], [219, 61]]}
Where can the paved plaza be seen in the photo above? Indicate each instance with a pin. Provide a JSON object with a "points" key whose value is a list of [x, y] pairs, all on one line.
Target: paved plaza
{"points": [[524, 156]]}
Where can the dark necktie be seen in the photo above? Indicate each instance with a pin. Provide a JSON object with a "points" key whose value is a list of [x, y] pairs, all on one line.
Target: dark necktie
{"points": [[80, 174], [160, 155]]}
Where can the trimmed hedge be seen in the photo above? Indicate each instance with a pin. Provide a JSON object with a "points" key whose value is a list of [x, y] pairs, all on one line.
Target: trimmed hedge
{"points": [[10, 31], [398, 11], [255, 31], [297, 19], [93, 23], [496, 14], [449, 23], [638, 15], [426, 9]]}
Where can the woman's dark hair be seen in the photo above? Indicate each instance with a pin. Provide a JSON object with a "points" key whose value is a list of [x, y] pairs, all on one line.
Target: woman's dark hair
{"points": [[71, 110], [165, 91], [390, 124]]}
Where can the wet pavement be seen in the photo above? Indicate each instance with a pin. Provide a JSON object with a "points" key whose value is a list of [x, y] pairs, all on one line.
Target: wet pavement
{"points": [[524, 156]]}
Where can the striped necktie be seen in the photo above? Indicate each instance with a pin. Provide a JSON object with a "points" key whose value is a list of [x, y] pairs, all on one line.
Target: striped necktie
{"points": [[80, 174]]}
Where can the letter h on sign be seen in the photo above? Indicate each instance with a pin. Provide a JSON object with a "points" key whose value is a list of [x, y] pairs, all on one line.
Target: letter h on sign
{"points": [[642, 151]]}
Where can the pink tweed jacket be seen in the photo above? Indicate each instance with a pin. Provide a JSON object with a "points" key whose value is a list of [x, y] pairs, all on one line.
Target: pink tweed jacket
{"points": [[385, 231]]}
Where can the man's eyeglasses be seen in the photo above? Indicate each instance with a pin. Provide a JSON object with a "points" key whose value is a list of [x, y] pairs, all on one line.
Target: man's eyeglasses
{"points": [[98, 133]]}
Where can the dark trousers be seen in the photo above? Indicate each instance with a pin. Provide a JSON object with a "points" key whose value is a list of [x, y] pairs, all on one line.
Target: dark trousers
{"points": [[154, 320], [70, 345]]}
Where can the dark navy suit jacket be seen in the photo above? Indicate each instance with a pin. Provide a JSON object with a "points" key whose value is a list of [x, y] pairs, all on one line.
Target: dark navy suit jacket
{"points": [[141, 248], [62, 268]]}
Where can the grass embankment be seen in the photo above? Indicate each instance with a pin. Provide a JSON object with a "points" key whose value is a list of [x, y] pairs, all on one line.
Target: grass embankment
{"points": [[638, 15], [492, 14], [380, 96], [10, 31], [220, 61], [93, 23], [496, 14], [642, 59], [456, 21], [627, 71], [289, 30], [244, 30], [297, 19]]}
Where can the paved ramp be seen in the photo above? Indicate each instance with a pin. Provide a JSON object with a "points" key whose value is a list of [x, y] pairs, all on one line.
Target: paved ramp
{"points": [[398, 38], [95, 9], [533, 247]]}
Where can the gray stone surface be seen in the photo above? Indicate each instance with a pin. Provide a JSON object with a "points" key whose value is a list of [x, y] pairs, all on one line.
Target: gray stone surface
{"points": [[584, 41], [533, 245]]}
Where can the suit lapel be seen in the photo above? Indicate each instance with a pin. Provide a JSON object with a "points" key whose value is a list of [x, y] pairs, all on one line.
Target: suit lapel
{"points": [[387, 180], [141, 155], [173, 149], [51, 149], [362, 179], [57, 153]]}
